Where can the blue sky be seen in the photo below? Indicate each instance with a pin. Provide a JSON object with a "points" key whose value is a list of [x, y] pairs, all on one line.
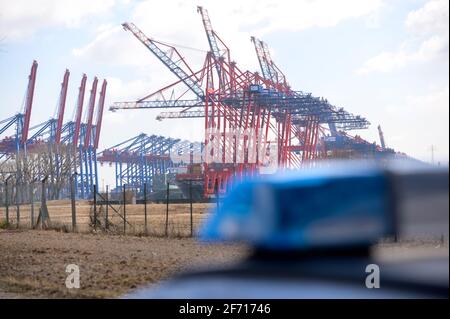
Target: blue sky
{"points": [[385, 60]]}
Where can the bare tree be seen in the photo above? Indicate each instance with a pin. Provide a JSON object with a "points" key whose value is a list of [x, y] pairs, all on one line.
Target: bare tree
{"points": [[46, 159]]}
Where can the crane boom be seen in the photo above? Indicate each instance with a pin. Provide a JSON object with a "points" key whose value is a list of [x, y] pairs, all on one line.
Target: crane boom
{"points": [[173, 66], [277, 75], [29, 102], [380, 132], [79, 113], [268, 68], [87, 136], [62, 106], [101, 104], [263, 62], [155, 104], [271, 72], [212, 38], [209, 32], [182, 115]]}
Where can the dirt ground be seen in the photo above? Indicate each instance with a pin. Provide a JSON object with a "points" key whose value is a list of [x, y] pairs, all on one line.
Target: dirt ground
{"points": [[33, 262]]}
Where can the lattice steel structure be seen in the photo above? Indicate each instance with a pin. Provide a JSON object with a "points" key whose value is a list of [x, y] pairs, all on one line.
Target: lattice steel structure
{"points": [[233, 102], [68, 147], [138, 159]]}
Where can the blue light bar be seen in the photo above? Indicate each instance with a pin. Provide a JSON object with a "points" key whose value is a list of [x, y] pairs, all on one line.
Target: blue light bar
{"points": [[341, 205]]}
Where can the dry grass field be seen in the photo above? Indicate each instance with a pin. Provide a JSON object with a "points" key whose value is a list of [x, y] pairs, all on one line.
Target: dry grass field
{"points": [[179, 220], [33, 262]]}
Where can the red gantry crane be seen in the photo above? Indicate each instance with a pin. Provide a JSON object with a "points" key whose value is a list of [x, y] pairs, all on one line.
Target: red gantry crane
{"points": [[90, 115], [240, 110], [29, 103], [100, 107], [79, 112], [62, 106]]}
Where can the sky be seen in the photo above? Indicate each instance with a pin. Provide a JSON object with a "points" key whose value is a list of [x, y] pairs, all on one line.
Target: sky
{"points": [[385, 60]]}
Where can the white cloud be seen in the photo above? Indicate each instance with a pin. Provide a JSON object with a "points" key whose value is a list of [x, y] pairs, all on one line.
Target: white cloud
{"points": [[427, 118], [177, 22], [429, 40], [22, 18], [431, 18], [119, 90], [111, 45], [430, 49], [293, 15]]}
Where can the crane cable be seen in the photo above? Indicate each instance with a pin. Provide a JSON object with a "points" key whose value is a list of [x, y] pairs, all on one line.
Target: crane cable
{"points": [[181, 46]]}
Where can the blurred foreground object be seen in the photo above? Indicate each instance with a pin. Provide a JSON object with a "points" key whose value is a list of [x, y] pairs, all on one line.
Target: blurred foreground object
{"points": [[311, 232], [343, 204]]}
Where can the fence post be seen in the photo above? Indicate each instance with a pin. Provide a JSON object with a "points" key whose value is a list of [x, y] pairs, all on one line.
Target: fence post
{"points": [[145, 208], [124, 210], [72, 202], [167, 210], [32, 204], [7, 199], [106, 210], [95, 206], [190, 203], [43, 218], [17, 206]]}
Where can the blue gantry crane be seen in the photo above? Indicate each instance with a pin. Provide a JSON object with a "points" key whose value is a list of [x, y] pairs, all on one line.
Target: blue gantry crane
{"points": [[13, 144], [138, 159], [70, 146]]}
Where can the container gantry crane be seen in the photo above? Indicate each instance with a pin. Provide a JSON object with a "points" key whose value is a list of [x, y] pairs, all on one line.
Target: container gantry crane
{"points": [[62, 106], [79, 112], [69, 145], [380, 133], [86, 154], [218, 48], [11, 145], [51, 130], [234, 102], [29, 103], [138, 159], [100, 108], [49, 133], [83, 138]]}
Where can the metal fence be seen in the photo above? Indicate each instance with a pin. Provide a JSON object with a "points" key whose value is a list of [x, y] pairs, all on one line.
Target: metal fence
{"points": [[116, 212]]}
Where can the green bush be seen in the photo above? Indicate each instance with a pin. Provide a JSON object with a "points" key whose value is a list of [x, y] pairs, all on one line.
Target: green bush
{"points": [[4, 224]]}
